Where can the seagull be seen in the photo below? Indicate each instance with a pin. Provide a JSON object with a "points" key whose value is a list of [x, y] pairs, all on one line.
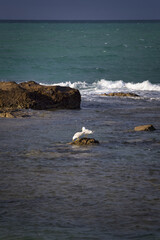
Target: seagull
{"points": [[85, 131]]}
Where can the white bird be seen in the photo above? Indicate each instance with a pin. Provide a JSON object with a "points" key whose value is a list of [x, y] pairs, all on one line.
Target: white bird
{"points": [[79, 134], [86, 131]]}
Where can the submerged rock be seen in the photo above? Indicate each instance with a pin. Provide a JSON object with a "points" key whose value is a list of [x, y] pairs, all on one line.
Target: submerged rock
{"points": [[35, 96], [148, 127], [85, 141], [120, 94]]}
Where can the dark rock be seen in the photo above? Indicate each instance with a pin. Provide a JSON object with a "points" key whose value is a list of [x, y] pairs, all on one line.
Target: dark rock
{"points": [[35, 96], [148, 127], [120, 94], [85, 141]]}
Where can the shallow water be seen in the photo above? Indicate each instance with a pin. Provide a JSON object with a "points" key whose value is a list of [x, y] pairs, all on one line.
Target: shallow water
{"points": [[53, 190]]}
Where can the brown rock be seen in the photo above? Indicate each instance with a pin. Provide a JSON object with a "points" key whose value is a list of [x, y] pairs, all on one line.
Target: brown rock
{"points": [[8, 85], [85, 141], [120, 94], [9, 115], [6, 115], [3, 114], [14, 114], [148, 127], [35, 96]]}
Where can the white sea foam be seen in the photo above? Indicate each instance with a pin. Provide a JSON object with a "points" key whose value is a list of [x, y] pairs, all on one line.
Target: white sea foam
{"points": [[144, 88], [79, 85]]}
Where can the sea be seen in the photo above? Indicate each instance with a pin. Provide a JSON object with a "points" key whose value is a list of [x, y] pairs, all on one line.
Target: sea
{"points": [[51, 190]]}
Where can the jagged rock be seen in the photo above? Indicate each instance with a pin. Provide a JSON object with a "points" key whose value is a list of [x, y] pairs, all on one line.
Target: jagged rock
{"points": [[148, 127], [85, 141], [120, 94], [35, 96]]}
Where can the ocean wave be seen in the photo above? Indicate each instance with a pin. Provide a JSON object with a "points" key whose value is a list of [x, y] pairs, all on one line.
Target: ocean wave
{"points": [[144, 88], [107, 85], [130, 86]]}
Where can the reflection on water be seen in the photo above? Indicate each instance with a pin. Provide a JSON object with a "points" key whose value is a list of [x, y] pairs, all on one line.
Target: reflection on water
{"points": [[52, 190]]}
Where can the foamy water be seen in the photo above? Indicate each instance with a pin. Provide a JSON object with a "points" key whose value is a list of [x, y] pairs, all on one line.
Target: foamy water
{"points": [[144, 89]]}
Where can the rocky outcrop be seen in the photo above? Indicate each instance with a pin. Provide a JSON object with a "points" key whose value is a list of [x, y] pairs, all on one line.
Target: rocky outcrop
{"points": [[148, 127], [120, 94], [35, 96], [85, 141]]}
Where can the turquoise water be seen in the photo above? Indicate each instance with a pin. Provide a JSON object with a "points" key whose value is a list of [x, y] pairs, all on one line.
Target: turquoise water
{"points": [[50, 52], [50, 190]]}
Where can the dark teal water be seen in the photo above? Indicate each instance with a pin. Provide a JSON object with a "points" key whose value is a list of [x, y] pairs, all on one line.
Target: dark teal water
{"points": [[59, 52], [52, 190]]}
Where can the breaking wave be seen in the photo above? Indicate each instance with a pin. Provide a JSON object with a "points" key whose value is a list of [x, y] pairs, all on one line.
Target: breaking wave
{"points": [[106, 86]]}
